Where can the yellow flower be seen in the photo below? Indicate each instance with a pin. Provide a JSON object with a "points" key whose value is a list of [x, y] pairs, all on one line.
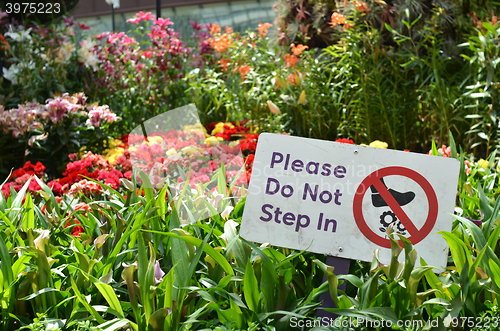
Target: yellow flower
{"points": [[154, 140], [190, 150], [483, 163], [112, 158], [195, 128], [171, 151], [113, 154], [212, 141], [220, 126], [378, 144]]}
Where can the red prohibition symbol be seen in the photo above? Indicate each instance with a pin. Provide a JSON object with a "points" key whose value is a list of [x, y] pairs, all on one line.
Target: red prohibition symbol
{"points": [[416, 235]]}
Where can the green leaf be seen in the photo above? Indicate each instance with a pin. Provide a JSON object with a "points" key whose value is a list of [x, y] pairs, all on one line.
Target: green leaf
{"points": [[477, 234], [34, 295], [434, 149], [108, 294], [488, 26], [354, 280], [208, 249], [414, 280], [221, 179], [28, 221], [458, 250], [84, 302], [147, 186], [495, 268], [493, 239], [269, 279], [453, 147], [251, 288], [488, 224], [433, 281], [486, 208], [333, 281], [157, 319]]}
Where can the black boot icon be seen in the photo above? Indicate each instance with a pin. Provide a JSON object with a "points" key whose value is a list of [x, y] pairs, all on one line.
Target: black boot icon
{"points": [[401, 198]]}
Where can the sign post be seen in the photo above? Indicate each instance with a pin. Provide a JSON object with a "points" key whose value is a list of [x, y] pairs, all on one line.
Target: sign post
{"points": [[339, 199]]}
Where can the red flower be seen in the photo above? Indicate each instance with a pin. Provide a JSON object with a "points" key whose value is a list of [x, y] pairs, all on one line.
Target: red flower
{"points": [[345, 141]]}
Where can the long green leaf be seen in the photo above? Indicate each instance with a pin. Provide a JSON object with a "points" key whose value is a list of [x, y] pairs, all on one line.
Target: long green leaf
{"points": [[28, 221], [486, 208], [84, 302], [108, 293], [6, 262], [458, 250], [208, 249], [251, 288], [477, 234]]}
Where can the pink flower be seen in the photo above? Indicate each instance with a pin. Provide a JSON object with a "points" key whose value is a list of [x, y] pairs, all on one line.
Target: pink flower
{"points": [[100, 113], [102, 35], [58, 108], [145, 16], [163, 22], [158, 274], [467, 167], [86, 187], [147, 54], [141, 16], [83, 26], [135, 20], [114, 37], [129, 41]]}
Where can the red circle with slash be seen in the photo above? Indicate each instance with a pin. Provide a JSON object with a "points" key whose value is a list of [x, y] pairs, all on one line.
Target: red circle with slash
{"points": [[416, 235]]}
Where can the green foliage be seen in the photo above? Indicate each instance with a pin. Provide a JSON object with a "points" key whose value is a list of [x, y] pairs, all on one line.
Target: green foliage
{"points": [[114, 274], [484, 56], [390, 292]]}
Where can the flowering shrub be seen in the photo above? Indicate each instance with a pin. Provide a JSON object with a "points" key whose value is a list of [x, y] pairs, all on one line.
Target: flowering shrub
{"points": [[155, 61], [40, 61], [49, 132]]}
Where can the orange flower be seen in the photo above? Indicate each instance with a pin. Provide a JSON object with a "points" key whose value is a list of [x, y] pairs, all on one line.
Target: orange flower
{"points": [[224, 63], [475, 20], [347, 25], [297, 50], [221, 43], [5, 45], [214, 29], [228, 29], [292, 79], [263, 28], [243, 70], [361, 7], [494, 20], [291, 60], [337, 19]]}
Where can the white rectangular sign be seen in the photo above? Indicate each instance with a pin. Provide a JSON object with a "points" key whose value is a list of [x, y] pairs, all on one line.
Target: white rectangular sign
{"points": [[338, 199]]}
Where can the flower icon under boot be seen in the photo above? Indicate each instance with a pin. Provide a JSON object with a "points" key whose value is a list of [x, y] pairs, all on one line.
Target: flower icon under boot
{"points": [[387, 218]]}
